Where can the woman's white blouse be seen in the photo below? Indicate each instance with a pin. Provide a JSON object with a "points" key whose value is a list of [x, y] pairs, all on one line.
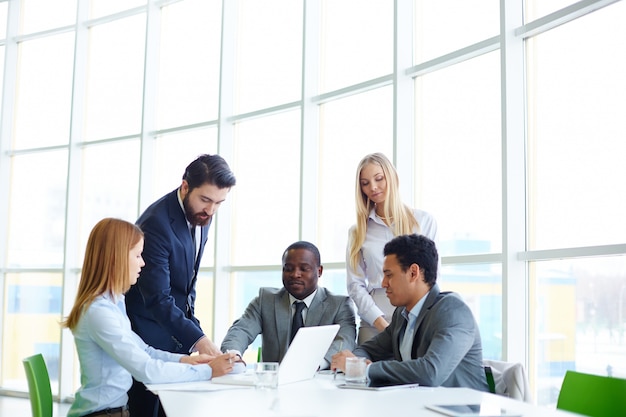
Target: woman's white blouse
{"points": [[369, 273]]}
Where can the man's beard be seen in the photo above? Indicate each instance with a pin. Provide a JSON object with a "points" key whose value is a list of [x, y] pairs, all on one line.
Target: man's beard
{"points": [[196, 219]]}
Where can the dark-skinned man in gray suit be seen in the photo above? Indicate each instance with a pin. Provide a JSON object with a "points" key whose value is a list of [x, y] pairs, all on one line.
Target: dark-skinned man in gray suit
{"points": [[271, 312]]}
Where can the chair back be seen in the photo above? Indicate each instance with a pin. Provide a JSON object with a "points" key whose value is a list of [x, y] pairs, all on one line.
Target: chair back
{"points": [[507, 379], [592, 395], [39, 389]]}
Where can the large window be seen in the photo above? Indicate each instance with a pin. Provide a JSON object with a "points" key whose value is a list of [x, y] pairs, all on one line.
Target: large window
{"points": [[576, 144], [504, 119]]}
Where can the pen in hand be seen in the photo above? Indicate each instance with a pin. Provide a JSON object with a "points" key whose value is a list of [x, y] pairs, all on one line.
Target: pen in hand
{"points": [[335, 370]]}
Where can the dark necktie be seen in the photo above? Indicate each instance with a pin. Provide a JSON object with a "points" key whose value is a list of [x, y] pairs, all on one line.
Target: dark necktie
{"points": [[297, 319]]}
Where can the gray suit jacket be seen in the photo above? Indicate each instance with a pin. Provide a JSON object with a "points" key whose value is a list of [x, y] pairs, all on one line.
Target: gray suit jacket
{"points": [[269, 314], [446, 350]]}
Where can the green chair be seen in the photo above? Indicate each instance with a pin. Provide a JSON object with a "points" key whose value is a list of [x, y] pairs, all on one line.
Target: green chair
{"points": [[592, 395], [490, 380], [38, 385]]}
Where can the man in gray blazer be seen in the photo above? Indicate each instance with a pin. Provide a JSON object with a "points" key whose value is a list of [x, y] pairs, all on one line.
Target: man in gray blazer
{"points": [[271, 313], [433, 338]]}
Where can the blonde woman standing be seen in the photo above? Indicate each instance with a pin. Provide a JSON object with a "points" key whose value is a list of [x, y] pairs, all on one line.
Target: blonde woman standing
{"points": [[380, 216], [110, 353]]}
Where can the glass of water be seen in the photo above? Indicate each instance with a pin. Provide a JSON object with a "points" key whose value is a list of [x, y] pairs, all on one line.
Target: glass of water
{"points": [[266, 375]]}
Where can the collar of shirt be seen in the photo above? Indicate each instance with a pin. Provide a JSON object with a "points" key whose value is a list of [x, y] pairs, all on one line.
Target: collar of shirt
{"points": [[415, 311], [114, 298], [182, 207], [307, 300], [375, 218]]}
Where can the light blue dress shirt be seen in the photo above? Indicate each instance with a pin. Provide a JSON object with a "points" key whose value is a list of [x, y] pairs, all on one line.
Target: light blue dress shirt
{"points": [[409, 333], [110, 354]]}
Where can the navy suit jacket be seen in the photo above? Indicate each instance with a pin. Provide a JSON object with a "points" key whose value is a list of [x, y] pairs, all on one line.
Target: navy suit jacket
{"points": [[270, 314], [446, 350], [161, 305]]}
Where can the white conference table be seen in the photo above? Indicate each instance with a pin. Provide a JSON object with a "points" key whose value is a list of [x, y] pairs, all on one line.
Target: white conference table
{"points": [[320, 397]]}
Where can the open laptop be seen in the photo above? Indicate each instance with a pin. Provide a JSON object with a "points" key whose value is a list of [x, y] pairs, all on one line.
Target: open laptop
{"points": [[301, 361]]}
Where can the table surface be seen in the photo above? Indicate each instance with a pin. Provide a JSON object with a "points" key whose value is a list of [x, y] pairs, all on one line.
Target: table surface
{"points": [[321, 397]]}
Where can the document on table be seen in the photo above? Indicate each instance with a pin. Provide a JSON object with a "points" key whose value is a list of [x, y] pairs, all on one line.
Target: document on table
{"points": [[191, 386], [197, 385], [484, 409]]}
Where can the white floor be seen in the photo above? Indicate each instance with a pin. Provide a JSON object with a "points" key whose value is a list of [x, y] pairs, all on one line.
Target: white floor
{"points": [[13, 406]]}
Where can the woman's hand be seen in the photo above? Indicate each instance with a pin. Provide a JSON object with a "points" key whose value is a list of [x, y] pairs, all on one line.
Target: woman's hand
{"points": [[197, 359]]}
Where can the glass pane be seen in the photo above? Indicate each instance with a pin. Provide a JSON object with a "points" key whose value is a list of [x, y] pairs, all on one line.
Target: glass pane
{"points": [[350, 129], [1, 71], [36, 226], [33, 302], [244, 286], [109, 184], [101, 8], [269, 54], [266, 199], [480, 286], [44, 91], [189, 82], [579, 320], [444, 26], [208, 256], [173, 152], [356, 42], [458, 154], [40, 15], [577, 102], [4, 6], [204, 302], [535, 9], [115, 79]]}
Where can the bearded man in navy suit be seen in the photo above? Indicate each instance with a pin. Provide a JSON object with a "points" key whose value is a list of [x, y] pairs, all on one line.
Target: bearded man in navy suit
{"points": [[161, 305]]}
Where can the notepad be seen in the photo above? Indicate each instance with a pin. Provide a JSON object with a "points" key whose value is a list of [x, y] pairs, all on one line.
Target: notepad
{"points": [[485, 409], [374, 388]]}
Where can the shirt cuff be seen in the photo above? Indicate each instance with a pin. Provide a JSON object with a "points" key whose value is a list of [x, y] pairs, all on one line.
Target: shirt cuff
{"points": [[367, 371], [193, 347]]}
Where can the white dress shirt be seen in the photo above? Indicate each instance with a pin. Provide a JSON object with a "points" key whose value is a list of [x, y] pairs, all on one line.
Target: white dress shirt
{"points": [[307, 302], [110, 354]]}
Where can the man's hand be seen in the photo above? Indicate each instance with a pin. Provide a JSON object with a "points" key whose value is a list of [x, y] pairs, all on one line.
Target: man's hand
{"points": [[204, 345], [338, 362]]}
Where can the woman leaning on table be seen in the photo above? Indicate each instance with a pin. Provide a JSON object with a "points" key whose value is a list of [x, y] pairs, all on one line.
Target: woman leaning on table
{"points": [[380, 216], [110, 353]]}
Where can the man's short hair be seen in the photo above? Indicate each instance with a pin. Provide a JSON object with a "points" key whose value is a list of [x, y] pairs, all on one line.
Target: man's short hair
{"points": [[305, 245], [209, 169], [415, 249]]}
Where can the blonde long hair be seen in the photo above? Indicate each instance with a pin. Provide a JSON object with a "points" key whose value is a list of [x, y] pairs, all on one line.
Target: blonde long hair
{"points": [[404, 222], [106, 265]]}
